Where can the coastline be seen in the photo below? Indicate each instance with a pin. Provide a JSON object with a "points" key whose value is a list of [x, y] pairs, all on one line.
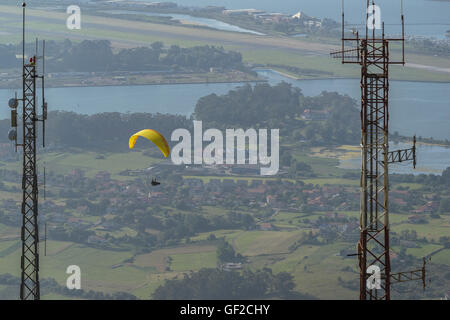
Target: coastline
{"points": [[90, 85], [290, 76]]}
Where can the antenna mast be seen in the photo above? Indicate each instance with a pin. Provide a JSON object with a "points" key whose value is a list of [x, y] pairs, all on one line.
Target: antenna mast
{"points": [[372, 54], [29, 265]]}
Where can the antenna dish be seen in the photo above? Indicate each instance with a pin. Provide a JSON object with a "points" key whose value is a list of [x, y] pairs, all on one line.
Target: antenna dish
{"points": [[12, 134], [13, 103]]}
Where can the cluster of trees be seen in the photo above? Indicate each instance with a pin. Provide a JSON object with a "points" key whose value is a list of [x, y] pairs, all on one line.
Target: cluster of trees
{"points": [[262, 105], [78, 234], [226, 252], [97, 55], [297, 168], [428, 46], [179, 226], [50, 285], [207, 284], [444, 206], [250, 105], [427, 179], [281, 106], [95, 209], [104, 131]]}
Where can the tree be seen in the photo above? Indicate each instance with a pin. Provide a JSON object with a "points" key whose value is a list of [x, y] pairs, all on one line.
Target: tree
{"points": [[218, 285], [225, 252], [283, 283], [444, 206], [157, 46]]}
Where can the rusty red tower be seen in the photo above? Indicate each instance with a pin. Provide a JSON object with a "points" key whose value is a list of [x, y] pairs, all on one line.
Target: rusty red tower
{"points": [[371, 52]]}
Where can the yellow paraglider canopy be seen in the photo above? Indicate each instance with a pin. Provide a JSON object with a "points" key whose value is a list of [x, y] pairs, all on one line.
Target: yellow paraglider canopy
{"points": [[154, 136]]}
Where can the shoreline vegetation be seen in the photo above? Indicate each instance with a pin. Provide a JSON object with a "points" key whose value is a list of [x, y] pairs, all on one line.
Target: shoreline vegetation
{"points": [[174, 79], [145, 80]]}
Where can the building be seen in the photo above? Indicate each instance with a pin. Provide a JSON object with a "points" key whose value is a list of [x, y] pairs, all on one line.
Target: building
{"points": [[266, 226], [230, 266], [162, 5], [417, 219], [242, 183], [242, 12], [103, 176], [273, 17], [312, 23], [95, 240], [193, 182], [298, 15]]}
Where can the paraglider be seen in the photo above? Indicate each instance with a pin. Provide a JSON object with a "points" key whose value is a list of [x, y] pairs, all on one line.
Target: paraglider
{"points": [[154, 136], [155, 183], [157, 138]]}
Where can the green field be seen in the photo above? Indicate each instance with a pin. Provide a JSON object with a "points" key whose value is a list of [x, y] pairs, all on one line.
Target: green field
{"points": [[425, 250], [193, 261], [442, 257], [90, 162], [253, 243], [316, 269], [324, 167], [434, 229], [326, 63]]}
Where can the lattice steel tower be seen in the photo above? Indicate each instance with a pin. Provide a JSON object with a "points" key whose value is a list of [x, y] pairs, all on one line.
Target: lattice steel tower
{"points": [[29, 288], [371, 52]]}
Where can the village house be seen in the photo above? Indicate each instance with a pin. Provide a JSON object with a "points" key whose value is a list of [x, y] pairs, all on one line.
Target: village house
{"points": [[417, 219], [430, 206], [96, 240], [193, 182], [103, 176], [230, 266], [266, 226]]}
